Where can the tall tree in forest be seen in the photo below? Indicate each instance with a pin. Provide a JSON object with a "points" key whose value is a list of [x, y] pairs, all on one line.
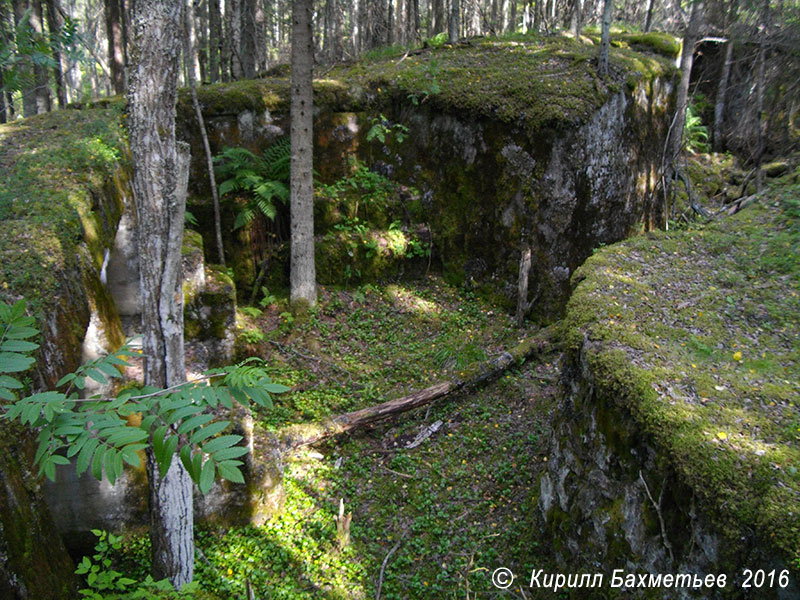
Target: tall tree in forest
{"points": [[605, 37], [302, 270], [42, 86], [247, 48], [214, 40], [55, 23], [160, 174], [453, 22], [188, 54], [116, 58], [675, 140]]}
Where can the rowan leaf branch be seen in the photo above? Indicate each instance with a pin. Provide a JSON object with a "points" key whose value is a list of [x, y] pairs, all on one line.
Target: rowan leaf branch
{"points": [[103, 433]]}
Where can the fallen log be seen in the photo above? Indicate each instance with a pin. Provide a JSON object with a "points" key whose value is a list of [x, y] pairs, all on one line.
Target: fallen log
{"points": [[473, 376]]}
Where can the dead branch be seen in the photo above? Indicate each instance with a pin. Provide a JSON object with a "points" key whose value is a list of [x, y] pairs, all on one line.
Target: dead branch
{"points": [[473, 376]]}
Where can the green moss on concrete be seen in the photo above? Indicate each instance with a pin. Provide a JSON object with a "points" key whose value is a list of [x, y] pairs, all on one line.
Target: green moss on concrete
{"points": [[537, 82], [232, 98], [64, 176], [694, 335]]}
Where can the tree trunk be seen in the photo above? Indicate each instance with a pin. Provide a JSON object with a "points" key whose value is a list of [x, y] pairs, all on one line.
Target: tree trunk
{"points": [[54, 24], [760, 85], [214, 40], [260, 39], [722, 91], [687, 57], [28, 92], [472, 376], [577, 18], [605, 37], [191, 62], [248, 38], [328, 42], [302, 268], [42, 89], [160, 175], [233, 22], [648, 21], [437, 17], [453, 22], [201, 28], [116, 60]]}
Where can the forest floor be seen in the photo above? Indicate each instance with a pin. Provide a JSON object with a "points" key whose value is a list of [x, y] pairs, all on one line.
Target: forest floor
{"points": [[435, 519], [711, 311]]}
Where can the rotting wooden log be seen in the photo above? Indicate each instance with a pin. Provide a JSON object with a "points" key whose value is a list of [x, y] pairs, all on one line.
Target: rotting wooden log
{"points": [[475, 375]]}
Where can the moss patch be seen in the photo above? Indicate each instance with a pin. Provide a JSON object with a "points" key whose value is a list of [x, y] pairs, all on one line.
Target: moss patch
{"points": [[694, 333], [64, 175], [538, 82]]}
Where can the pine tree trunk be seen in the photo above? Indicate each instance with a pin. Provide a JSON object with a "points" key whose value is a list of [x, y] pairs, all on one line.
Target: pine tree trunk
{"points": [[453, 22], [201, 29], [260, 26], [188, 52], [233, 22], [302, 267], [28, 91], [248, 38], [42, 89], [214, 40], [116, 60], [760, 86], [687, 57], [54, 24], [605, 37], [722, 91], [649, 18], [160, 175], [437, 17]]}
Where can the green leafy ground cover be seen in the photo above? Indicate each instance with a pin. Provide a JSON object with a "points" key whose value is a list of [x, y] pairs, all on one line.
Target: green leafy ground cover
{"points": [[459, 505], [695, 333]]}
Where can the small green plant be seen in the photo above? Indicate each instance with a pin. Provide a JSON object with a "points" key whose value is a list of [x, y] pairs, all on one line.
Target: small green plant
{"points": [[695, 134], [99, 575], [382, 130], [458, 357], [252, 336], [437, 41], [268, 299], [103, 580], [260, 180], [251, 311], [431, 86]]}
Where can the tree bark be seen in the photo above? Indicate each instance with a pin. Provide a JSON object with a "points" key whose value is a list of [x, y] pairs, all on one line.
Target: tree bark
{"points": [[233, 22], [722, 91], [116, 59], [760, 86], [54, 24], [648, 21], [302, 276], [248, 38], [214, 40], [687, 57], [453, 22], [160, 176], [473, 376], [605, 37], [42, 89], [437, 17]]}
